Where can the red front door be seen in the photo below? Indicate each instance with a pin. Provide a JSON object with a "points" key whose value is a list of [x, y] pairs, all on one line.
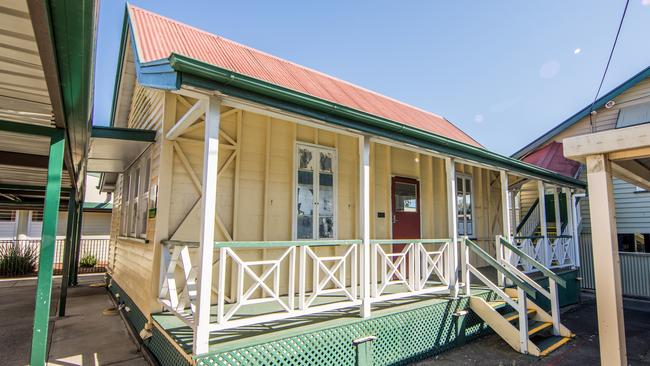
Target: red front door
{"points": [[406, 209]]}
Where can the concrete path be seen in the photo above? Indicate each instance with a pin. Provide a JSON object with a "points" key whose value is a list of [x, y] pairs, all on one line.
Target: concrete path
{"points": [[83, 337], [492, 350]]}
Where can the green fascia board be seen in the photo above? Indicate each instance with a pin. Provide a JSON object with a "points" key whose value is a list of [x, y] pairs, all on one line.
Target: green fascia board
{"points": [[200, 74], [583, 113], [97, 206], [118, 133], [120, 64], [73, 28], [27, 128]]}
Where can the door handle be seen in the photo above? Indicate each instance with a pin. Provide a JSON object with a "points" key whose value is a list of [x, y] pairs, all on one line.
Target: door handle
{"points": [[395, 221]]}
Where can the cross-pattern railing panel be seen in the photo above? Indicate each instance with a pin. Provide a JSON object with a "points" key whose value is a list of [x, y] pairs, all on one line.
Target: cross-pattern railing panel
{"points": [[403, 268], [552, 251]]}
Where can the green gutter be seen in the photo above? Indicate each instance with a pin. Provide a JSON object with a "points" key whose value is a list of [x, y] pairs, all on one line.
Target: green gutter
{"points": [[119, 133], [200, 74]]}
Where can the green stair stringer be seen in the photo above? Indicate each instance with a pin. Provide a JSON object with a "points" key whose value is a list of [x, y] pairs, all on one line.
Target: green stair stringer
{"points": [[164, 352], [402, 337]]}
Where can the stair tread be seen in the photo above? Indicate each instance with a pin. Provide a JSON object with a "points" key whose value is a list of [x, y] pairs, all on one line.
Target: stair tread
{"points": [[550, 344], [515, 315], [538, 326]]}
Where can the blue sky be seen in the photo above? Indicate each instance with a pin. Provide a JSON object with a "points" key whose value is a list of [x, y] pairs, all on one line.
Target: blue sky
{"points": [[503, 71]]}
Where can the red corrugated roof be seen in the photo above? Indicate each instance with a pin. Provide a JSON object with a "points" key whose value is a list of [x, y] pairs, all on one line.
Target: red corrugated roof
{"points": [[157, 37], [552, 158]]}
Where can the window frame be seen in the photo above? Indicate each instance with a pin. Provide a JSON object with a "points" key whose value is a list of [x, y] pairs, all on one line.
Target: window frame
{"points": [[316, 182], [466, 177], [134, 204]]}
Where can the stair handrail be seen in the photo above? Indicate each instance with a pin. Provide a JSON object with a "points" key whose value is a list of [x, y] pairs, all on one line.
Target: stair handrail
{"points": [[524, 256], [520, 304], [496, 265], [553, 279], [527, 216]]}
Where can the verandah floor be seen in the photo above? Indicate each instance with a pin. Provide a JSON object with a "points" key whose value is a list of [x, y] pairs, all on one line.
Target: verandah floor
{"points": [[227, 340]]}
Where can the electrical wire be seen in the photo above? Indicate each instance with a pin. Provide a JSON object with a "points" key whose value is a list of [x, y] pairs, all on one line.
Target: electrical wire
{"points": [[609, 60]]}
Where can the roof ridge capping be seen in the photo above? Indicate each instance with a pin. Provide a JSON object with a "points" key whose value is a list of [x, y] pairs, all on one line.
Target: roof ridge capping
{"points": [[452, 131]]}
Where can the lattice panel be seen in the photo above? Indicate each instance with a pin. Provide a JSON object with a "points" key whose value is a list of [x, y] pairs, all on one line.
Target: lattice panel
{"points": [[401, 338]]}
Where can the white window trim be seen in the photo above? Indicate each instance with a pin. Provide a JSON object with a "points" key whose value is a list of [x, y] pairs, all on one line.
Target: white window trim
{"points": [[465, 176], [130, 221], [294, 213]]}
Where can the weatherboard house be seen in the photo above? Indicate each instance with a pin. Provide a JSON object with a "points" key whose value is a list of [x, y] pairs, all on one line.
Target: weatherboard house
{"points": [[283, 216]]}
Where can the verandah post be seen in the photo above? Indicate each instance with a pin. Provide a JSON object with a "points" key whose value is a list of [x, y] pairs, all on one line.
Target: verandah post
{"points": [[67, 250], [46, 256], [208, 217], [452, 224], [544, 250], [506, 224], [77, 240], [364, 221], [570, 228]]}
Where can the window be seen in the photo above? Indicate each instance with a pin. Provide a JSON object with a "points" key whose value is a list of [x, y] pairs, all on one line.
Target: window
{"points": [[7, 215], [633, 115], [464, 205], [315, 193], [37, 216], [135, 196]]}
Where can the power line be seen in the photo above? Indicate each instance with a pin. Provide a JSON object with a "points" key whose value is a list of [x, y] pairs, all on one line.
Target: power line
{"points": [[609, 60]]}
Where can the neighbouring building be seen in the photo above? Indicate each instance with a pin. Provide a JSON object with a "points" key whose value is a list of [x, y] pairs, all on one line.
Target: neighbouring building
{"points": [[626, 105], [283, 216], [26, 225]]}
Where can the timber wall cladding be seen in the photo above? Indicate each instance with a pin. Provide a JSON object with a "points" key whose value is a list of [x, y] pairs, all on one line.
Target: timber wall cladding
{"points": [[131, 261], [255, 195]]}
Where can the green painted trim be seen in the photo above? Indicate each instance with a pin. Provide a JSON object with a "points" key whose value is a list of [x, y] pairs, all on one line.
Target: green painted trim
{"points": [[98, 206], [264, 244], [67, 255], [547, 272], [119, 133], [493, 262], [120, 65], [584, 112], [11, 187], [73, 25], [46, 256], [74, 266], [200, 74], [27, 129], [400, 241]]}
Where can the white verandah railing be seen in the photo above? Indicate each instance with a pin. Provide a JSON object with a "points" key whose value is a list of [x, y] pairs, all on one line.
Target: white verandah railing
{"points": [[553, 251], [420, 267]]}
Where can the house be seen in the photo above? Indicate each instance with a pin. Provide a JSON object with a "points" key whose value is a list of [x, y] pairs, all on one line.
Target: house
{"points": [[285, 216], [626, 105], [607, 145]]}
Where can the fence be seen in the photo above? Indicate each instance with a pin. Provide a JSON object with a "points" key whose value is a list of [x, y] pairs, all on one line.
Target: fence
{"points": [[635, 270], [20, 257]]}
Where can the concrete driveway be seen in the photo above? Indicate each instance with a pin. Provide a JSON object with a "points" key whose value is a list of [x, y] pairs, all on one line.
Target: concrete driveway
{"points": [[83, 337]]}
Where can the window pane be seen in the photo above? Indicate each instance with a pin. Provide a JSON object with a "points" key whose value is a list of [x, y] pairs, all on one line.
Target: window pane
{"points": [[305, 198], [406, 198], [305, 159], [326, 206], [326, 162], [326, 227]]}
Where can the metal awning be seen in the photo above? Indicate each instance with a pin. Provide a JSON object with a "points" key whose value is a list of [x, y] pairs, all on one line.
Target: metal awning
{"points": [[114, 149]]}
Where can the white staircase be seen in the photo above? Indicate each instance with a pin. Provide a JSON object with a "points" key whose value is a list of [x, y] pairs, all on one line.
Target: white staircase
{"points": [[524, 325]]}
